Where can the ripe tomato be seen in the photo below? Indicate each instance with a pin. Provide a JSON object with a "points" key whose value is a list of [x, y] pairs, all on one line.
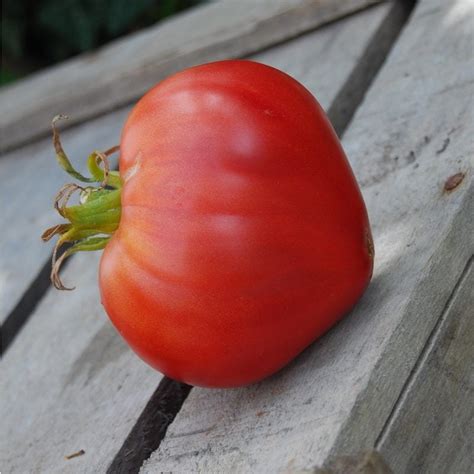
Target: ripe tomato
{"points": [[243, 235]]}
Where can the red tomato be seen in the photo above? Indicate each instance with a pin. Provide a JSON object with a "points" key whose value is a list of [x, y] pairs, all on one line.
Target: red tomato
{"points": [[243, 235]]}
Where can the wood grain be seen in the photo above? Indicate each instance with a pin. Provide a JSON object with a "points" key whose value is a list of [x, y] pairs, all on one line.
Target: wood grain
{"points": [[70, 382], [437, 406], [119, 73], [335, 398]]}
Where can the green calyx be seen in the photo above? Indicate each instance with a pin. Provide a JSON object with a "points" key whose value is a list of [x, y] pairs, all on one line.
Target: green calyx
{"points": [[92, 222]]}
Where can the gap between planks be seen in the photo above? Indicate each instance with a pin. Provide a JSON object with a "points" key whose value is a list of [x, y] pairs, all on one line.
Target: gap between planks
{"points": [[25, 307], [151, 426]]}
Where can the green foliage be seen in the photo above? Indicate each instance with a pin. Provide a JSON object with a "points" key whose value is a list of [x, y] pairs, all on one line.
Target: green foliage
{"points": [[37, 33], [6, 76]]}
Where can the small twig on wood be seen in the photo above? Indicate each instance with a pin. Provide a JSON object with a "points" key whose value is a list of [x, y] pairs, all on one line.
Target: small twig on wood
{"points": [[75, 455]]}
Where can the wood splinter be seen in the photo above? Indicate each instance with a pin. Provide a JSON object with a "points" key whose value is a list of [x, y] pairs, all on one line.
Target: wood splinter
{"points": [[75, 455]]}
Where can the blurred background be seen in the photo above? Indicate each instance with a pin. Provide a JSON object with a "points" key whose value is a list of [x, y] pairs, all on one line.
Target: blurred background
{"points": [[38, 33]]}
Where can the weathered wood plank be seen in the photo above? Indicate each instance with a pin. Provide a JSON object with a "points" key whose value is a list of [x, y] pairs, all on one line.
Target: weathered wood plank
{"points": [[437, 406], [33, 170], [412, 132], [30, 178], [119, 73], [68, 371], [70, 384]]}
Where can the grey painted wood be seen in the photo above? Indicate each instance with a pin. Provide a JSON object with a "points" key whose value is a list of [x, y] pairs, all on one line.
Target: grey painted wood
{"points": [[412, 132], [119, 73], [30, 176], [70, 383], [437, 406]]}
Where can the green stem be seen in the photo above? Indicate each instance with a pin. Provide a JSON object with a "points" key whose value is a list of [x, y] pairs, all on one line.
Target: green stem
{"points": [[92, 222]]}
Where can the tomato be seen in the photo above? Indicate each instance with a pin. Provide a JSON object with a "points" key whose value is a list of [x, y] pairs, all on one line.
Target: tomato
{"points": [[243, 235]]}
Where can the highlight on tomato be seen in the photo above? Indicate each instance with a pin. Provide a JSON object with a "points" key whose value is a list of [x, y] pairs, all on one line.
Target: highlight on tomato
{"points": [[234, 234]]}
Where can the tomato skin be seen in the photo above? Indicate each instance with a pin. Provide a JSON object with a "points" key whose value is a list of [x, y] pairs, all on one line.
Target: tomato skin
{"points": [[243, 235]]}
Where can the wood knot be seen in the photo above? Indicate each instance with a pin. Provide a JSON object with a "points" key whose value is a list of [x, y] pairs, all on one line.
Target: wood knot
{"points": [[453, 181]]}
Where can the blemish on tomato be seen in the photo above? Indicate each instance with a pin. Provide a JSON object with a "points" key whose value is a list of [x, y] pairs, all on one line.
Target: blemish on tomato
{"points": [[134, 168], [370, 244], [453, 181]]}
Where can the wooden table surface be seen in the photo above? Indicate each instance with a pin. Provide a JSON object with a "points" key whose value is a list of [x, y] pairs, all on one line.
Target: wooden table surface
{"points": [[397, 80]]}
